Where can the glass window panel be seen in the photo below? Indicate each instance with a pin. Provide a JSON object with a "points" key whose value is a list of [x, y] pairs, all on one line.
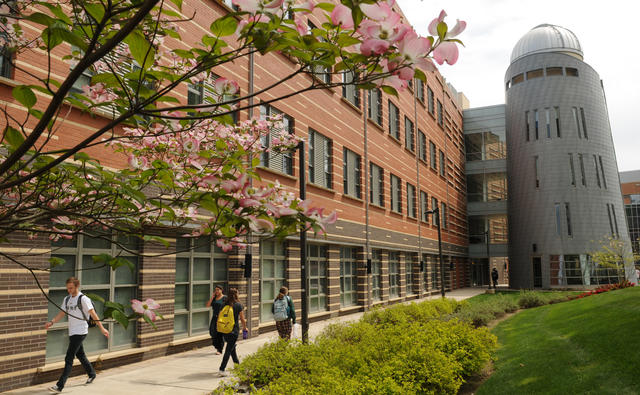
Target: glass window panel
{"points": [[265, 312], [71, 243], [181, 323], [124, 295], [59, 274], [268, 291], [128, 241], [181, 301], [124, 275], [97, 242], [268, 248], [220, 269], [280, 269], [267, 268], [202, 244], [200, 297], [200, 321], [58, 298], [95, 341], [57, 343], [183, 244], [201, 269], [182, 270], [97, 305], [121, 336], [94, 273]]}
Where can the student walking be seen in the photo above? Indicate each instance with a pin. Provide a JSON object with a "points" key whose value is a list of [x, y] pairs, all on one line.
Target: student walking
{"points": [[284, 313], [77, 307], [216, 303], [228, 326], [494, 277]]}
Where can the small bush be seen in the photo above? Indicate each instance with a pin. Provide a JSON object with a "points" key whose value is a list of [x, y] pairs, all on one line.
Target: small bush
{"points": [[481, 313], [529, 299]]}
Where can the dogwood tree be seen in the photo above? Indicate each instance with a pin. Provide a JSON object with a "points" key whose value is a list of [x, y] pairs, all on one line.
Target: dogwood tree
{"points": [[188, 166]]}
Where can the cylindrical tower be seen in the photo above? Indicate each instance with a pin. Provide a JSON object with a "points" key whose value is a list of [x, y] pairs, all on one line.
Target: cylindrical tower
{"points": [[564, 192]]}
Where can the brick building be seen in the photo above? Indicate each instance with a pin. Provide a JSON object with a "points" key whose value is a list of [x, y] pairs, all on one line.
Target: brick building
{"points": [[630, 185], [380, 161]]}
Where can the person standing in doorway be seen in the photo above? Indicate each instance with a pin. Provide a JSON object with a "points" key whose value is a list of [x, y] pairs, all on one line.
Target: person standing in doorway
{"points": [[228, 326], [494, 277], [284, 313], [77, 307], [216, 303]]}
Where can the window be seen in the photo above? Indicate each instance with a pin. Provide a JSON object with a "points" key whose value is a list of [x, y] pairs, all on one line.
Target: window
{"points": [[422, 145], [318, 262], [507, 85], [376, 274], [440, 114], [424, 207], [548, 119], [582, 172], [394, 121], [411, 201], [230, 4], [430, 100], [5, 59], [535, 74], [408, 273], [595, 165], [320, 72], [432, 152], [409, 135], [195, 93], [396, 194], [604, 177], [584, 123], [443, 167], [557, 114], [444, 215], [574, 110], [273, 275], [518, 79], [420, 90], [376, 181], [610, 219], [320, 148], [348, 277], [394, 274], [537, 170], [374, 108], [573, 172], [537, 122], [118, 285], [434, 205], [572, 72], [526, 121], [567, 212], [350, 91], [199, 268], [85, 78], [352, 174], [554, 71], [282, 162], [613, 221], [558, 211]]}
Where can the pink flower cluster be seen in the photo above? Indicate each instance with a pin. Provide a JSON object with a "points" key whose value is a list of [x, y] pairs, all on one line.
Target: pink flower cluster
{"points": [[147, 308]]}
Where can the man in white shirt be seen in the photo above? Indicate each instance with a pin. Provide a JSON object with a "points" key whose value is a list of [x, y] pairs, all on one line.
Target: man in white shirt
{"points": [[78, 314]]}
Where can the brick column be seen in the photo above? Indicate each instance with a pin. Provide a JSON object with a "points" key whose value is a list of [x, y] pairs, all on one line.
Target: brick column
{"points": [[23, 310], [402, 257], [417, 280], [293, 275], [253, 320], [156, 280], [363, 278], [333, 274], [384, 283]]}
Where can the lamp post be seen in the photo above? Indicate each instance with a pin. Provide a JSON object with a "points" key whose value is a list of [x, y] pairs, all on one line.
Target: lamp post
{"points": [[436, 218], [303, 249], [486, 234]]}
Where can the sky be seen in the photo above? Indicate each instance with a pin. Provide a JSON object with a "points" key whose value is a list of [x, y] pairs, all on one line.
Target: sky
{"points": [[607, 31]]}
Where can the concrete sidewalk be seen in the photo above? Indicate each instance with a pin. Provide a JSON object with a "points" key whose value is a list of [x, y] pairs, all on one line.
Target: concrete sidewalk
{"points": [[189, 373]]}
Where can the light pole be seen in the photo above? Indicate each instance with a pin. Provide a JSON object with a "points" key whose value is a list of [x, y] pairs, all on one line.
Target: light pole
{"points": [[303, 249], [436, 218], [486, 233]]}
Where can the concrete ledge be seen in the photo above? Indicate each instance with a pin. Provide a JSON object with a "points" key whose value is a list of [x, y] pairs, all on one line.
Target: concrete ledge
{"points": [[187, 340], [95, 358]]}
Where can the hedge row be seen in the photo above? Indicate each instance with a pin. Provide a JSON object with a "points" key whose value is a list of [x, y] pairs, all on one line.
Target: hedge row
{"points": [[418, 348]]}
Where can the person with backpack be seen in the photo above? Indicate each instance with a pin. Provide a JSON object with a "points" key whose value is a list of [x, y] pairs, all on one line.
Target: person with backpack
{"points": [[77, 307], [216, 303], [494, 277], [228, 326], [284, 313]]}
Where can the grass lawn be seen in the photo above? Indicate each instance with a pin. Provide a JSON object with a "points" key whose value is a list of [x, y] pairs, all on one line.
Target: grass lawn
{"points": [[585, 346]]}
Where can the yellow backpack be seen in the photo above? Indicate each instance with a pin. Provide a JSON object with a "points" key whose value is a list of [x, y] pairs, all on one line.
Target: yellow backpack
{"points": [[226, 320]]}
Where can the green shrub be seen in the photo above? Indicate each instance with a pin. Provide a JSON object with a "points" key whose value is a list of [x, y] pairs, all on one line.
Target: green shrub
{"points": [[404, 349], [482, 312], [529, 299]]}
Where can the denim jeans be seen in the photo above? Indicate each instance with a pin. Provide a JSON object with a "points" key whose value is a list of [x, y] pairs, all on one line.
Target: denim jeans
{"points": [[230, 350], [75, 350]]}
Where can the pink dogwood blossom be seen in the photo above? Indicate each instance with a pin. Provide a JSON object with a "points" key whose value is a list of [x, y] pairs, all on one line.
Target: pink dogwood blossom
{"points": [[145, 308], [341, 16]]}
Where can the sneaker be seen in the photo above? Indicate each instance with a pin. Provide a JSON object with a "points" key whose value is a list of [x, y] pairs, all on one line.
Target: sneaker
{"points": [[55, 389], [222, 373], [90, 380]]}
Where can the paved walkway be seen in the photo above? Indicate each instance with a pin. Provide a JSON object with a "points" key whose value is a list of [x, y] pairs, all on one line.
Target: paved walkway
{"points": [[188, 373]]}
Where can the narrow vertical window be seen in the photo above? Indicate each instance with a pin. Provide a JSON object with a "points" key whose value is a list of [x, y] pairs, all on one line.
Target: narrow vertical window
{"points": [[537, 121], [443, 168], [537, 170], [582, 172], [443, 215], [430, 100], [409, 138], [548, 120], [568, 215], [604, 177], [526, 121], [558, 219], [595, 164], [396, 194], [440, 114], [557, 112], [573, 171], [615, 220], [574, 110], [584, 123], [432, 152], [610, 220], [394, 121], [424, 206]]}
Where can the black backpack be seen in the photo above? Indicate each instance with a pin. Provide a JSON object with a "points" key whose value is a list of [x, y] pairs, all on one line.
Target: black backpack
{"points": [[91, 322]]}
